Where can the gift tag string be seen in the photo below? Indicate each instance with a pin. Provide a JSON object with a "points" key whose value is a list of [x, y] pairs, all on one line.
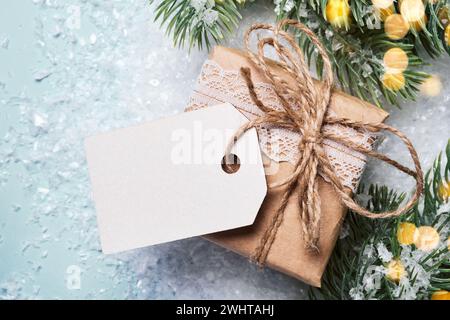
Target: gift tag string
{"points": [[312, 101]]}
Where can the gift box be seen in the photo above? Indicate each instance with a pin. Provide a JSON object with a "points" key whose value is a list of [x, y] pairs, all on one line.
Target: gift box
{"points": [[220, 81]]}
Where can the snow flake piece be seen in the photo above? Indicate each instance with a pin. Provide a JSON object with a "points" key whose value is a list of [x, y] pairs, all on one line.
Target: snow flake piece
{"points": [[41, 75], [210, 16], [383, 253], [39, 121], [4, 43]]}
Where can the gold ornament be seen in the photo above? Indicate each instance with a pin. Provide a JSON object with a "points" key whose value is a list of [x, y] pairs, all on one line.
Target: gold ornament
{"points": [[419, 24], [447, 35], [384, 8], [431, 86], [395, 60], [413, 11], [405, 233], [393, 81], [426, 238], [396, 27], [395, 271], [382, 4], [444, 190], [383, 14], [338, 13], [440, 295]]}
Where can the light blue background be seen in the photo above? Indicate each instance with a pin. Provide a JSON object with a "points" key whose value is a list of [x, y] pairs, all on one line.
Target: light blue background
{"points": [[110, 66], [31, 267]]}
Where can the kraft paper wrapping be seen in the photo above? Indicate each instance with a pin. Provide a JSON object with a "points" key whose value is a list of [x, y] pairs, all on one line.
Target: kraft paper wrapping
{"points": [[288, 253]]}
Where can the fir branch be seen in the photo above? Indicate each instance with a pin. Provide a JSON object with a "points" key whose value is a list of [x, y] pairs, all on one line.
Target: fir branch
{"points": [[348, 273], [357, 53], [197, 23], [432, 38]]}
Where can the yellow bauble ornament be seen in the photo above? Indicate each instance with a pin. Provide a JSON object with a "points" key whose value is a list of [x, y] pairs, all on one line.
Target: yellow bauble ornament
{"points": [[382, 4], [338, 13], [383, 14], [444, 190], [395, 60], [432, 87], [393, 81], [419, 24], [447, 35], [405, 233], [440, 295], [395, 271], [384, 8], [413, 11], [426, 238], [396, 27]]}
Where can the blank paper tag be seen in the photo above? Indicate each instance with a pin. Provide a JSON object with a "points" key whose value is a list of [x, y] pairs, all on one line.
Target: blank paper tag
{"points": [[163, 181]]}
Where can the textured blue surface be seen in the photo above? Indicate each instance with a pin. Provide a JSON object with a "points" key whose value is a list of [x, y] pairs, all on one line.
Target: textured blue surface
{"points": [[69, 69], [72, 68]]}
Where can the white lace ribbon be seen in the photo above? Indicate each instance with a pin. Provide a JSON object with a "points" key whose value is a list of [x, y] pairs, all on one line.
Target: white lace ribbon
{"points": [[216, 85]]}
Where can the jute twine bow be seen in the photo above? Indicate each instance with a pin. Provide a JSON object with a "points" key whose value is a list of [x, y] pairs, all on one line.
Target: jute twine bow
{"points": [[307, 119]]}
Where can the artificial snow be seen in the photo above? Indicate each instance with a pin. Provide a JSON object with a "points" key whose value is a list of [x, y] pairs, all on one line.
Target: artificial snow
{"points": [[83, 67]]}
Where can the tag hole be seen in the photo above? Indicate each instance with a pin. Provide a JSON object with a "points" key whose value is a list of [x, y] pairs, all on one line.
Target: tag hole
{"points": [[231, 163]]}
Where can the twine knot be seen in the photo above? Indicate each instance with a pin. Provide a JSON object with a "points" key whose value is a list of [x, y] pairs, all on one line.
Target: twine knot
{"points": [[313, 138], [304, 111]]}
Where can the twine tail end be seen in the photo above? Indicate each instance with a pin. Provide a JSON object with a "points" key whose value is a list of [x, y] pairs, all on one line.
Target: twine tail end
{"points": [[312, 246]]}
